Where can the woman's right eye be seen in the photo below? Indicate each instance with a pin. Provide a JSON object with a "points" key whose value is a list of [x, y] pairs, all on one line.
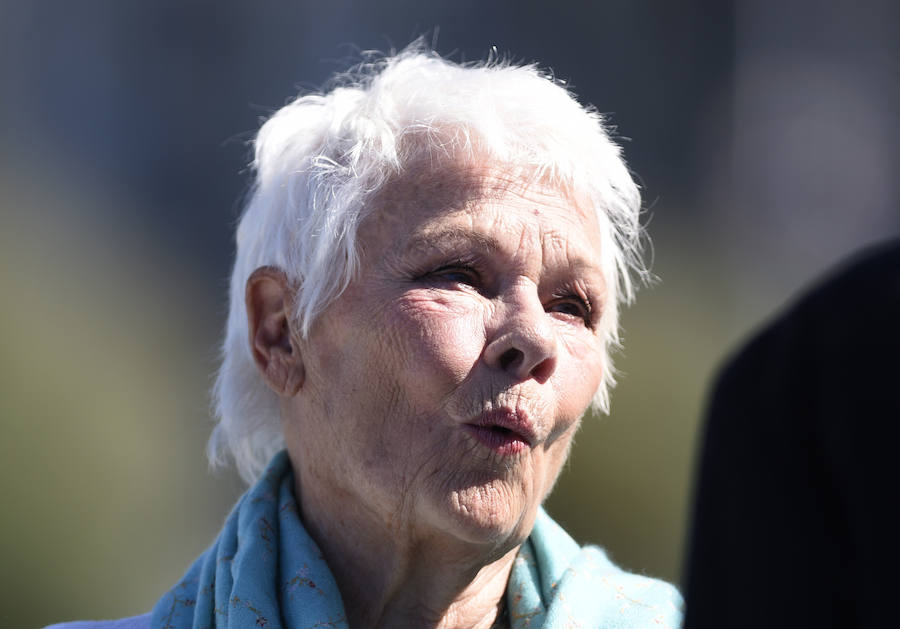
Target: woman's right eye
{"points": [[454, 274]]}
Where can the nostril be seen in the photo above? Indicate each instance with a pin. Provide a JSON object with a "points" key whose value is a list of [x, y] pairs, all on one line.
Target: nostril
{"points": [[510, 357], [543, 370]]}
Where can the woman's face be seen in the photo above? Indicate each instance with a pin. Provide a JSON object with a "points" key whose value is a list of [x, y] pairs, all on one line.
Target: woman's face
{"points": [[443, 387]]}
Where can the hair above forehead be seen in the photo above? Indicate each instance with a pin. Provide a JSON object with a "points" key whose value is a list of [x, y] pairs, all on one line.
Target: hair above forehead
{"points": [[320, 161]]}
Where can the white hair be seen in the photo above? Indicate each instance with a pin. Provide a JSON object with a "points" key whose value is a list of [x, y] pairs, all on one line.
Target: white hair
{"points": [[320, 160]]}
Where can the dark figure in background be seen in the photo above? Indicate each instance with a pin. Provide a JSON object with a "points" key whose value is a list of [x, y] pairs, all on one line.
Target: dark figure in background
{"points": [[795, 522]]}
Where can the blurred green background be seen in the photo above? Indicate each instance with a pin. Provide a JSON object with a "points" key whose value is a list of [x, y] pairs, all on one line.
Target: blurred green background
{"points": [[764, 136]]}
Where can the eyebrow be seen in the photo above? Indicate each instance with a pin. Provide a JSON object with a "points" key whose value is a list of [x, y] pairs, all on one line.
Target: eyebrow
{"points": [[445, 239], [451, 236]]}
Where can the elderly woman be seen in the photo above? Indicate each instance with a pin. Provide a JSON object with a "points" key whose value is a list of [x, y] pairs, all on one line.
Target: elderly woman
{"points": [[423, 303]]}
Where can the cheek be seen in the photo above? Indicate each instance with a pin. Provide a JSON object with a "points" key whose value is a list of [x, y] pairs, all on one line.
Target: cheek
{"points": [[579, 370], [442, 336], [555, 456]]}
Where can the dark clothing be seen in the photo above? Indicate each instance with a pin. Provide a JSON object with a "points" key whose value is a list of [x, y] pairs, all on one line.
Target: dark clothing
{"points": [[795, 521]]}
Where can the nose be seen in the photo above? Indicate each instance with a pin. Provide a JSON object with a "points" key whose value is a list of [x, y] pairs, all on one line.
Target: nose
{"points": [[524, 345]]}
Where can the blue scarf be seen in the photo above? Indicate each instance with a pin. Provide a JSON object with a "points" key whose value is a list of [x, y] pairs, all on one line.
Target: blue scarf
{"points": [[264, 570]]}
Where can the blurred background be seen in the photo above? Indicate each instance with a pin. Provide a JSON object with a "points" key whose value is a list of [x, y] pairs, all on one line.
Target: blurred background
{"points": [[764, 133]]}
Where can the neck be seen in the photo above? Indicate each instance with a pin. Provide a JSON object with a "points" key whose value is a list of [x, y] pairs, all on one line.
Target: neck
{"points": [[391, 575]]}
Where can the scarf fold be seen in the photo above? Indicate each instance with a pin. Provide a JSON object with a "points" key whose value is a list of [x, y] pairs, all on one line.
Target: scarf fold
{"points": [[264, 570]]}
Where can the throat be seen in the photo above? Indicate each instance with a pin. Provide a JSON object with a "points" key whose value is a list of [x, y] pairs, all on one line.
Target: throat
{"points": [[446, 597]]}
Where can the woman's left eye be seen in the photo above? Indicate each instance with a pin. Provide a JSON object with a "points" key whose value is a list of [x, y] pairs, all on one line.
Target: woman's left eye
{"points": [[573, 306]]}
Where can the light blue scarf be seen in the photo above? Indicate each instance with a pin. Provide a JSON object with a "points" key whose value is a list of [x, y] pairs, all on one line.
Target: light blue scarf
{"points": [[264, 570]]}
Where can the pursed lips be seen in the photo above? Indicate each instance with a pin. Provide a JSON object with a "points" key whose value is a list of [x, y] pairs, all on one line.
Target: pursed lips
{"points": [[504, 430]]}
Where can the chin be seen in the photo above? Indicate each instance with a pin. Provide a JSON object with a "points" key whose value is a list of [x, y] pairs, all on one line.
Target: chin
{"points": [[488, 514]]}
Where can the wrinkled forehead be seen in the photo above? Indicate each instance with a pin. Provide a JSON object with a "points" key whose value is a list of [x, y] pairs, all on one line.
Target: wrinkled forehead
{"points": [[428, 190]]}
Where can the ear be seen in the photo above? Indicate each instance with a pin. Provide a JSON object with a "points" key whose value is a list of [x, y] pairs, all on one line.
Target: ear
{"points": [[268, 297]]}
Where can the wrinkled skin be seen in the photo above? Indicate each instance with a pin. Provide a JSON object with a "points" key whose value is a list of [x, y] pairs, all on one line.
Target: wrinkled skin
{"points": [[476, 292]]}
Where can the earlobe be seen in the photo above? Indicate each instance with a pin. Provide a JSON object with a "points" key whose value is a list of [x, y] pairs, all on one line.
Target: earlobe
{"points": [[268, 297]]}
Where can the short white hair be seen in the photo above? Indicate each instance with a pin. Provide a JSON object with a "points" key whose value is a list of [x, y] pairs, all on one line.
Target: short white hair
{"points": [[320, 160]]}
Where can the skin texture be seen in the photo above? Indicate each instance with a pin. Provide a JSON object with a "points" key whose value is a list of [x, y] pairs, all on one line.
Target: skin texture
{"points": [[478, 291]]}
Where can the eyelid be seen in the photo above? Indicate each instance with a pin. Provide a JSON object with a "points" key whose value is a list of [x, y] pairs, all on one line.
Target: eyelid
{"points": [[462, 266], [570, 292], [469, 272]]}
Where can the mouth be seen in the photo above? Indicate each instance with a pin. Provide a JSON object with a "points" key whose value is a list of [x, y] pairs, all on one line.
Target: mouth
{"points": [[503, 431]]}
